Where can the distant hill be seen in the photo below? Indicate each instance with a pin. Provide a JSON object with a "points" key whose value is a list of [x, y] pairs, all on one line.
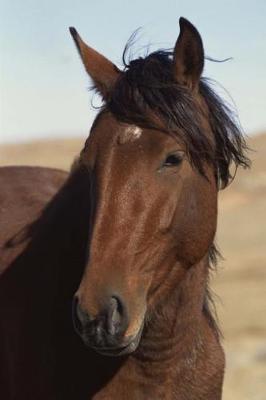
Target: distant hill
{"points": [[58, 153]]}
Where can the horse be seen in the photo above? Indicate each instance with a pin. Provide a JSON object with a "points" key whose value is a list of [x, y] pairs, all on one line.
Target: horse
{"points": [[104, 288]]}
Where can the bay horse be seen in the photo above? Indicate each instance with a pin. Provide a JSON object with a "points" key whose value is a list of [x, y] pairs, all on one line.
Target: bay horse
{"points": [[104, 272]]}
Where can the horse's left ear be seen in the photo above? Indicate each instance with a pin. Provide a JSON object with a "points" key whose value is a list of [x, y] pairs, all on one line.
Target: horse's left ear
{"points": [[188, 55], [102, 71]]}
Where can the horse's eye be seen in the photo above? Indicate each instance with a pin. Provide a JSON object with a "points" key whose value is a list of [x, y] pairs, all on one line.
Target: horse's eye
{"points": [[173, 160]]}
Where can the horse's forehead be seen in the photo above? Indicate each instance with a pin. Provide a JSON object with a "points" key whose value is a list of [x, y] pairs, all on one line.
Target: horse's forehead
{"points": [[129, 133], [109, 132], [113, 130]]}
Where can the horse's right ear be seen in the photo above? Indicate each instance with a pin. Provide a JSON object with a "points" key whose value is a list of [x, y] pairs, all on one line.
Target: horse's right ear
{"points": [[102, 71], [188, 55]]}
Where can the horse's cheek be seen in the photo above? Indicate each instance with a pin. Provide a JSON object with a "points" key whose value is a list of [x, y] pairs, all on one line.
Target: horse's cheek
{"points": [[194, 225]]}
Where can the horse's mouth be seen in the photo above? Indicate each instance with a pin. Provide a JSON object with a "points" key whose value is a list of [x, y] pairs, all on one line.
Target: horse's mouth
{"points": [[117, 351]]}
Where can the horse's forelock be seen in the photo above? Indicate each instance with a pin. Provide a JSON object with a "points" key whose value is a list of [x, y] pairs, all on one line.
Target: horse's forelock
{"points": [[147, 87]]}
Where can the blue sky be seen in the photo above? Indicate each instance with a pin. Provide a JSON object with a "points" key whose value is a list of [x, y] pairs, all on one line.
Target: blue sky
{"points": [[44, 89]]}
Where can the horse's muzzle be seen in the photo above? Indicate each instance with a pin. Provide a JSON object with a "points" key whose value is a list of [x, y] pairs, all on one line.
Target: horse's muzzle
{"points": [[105, 333]]}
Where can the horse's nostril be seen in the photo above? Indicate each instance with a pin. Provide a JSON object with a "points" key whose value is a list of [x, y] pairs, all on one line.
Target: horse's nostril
{"points": [[116, 318], [80, 318], [107, 328]]}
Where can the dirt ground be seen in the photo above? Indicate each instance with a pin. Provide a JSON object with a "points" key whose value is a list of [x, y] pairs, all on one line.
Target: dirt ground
{"points": [[240, 281]]}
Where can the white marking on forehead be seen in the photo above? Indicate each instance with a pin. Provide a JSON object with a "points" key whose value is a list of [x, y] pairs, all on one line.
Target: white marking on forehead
{"points": [[134, 131], [129, 134]]}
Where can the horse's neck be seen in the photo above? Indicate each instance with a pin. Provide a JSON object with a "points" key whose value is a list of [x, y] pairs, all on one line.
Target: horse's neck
{"points": [[175, 328], [174, 349]]}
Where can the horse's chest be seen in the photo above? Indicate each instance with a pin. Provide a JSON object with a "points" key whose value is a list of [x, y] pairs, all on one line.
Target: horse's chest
{"points": [[133, 392], [129, 385], [137, 387]]}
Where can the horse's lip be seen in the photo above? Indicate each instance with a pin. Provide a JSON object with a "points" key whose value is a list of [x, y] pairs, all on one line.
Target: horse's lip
{"points": [[123, 350], [118, 351]]}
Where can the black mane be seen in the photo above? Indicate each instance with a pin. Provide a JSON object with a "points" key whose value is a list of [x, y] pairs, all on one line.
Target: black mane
{"points": [[147, 87]]}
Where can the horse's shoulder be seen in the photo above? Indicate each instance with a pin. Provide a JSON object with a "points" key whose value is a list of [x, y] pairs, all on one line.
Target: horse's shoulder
{"points": [[23, 174], [25, 191]]}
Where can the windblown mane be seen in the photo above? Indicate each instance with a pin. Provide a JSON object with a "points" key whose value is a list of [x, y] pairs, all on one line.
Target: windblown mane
{"points": [[147, 87]]}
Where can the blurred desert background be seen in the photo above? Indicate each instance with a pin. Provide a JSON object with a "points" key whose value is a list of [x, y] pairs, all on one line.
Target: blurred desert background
{"points": [[240, 281]]}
